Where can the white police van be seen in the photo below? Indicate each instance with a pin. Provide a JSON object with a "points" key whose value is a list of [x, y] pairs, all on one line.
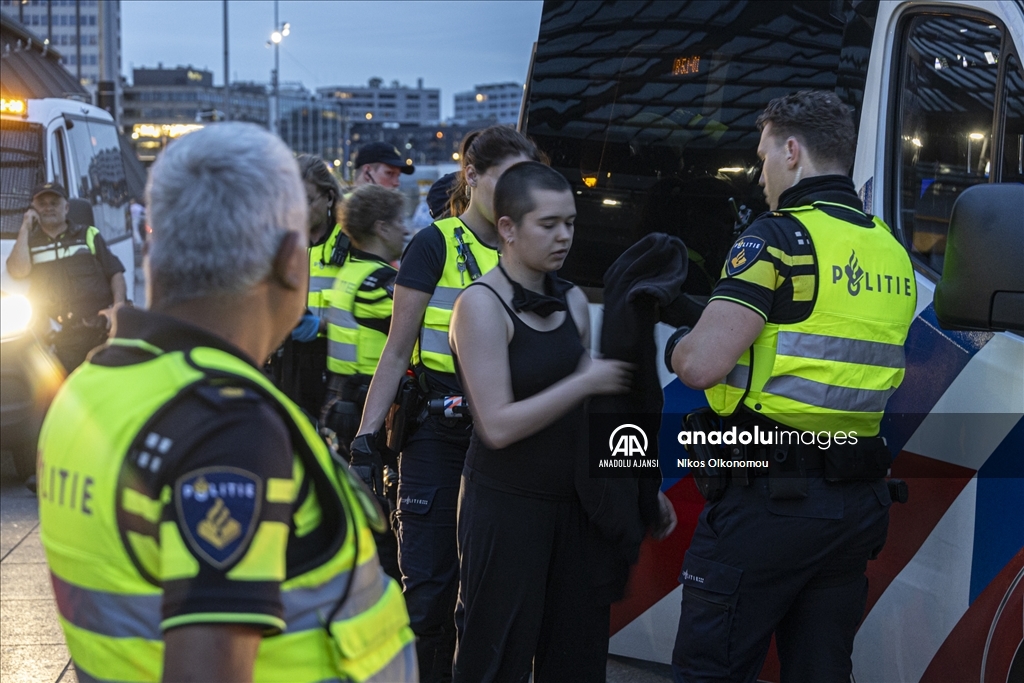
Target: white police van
{"points": [[76, 145], [648, 109]]}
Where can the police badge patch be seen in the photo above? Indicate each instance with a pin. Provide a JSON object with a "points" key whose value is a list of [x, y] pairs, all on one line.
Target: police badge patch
{"points": [[744, 252], [219, 509]]}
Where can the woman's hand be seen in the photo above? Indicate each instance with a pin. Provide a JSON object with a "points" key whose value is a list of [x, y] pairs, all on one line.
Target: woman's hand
{"points": [[602, 377]]}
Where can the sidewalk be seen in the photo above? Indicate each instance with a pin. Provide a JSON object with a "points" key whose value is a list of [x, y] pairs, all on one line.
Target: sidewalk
{"points": [[32, 648]]}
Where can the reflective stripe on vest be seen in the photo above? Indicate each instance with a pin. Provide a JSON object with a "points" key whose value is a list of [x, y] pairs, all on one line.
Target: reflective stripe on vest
{"points": [[59, 250], [353, 348], [432, 349], [110, 612], [835, 370], [321, 271]]}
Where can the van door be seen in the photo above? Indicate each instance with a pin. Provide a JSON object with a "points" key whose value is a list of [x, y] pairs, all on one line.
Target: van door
{"points": [[22, 167], [97, 174]]}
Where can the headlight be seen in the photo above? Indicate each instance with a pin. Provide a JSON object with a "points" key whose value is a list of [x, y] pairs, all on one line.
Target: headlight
{"points": [[15, 315]]}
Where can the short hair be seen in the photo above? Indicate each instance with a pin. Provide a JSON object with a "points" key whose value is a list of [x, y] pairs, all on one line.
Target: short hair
{"points": [[220, 201], [820, 120], [367, 205], [513, 193]]}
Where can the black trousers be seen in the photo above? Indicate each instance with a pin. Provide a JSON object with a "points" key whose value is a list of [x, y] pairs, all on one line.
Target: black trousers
{"points": [[73, 344], [794, 568], [428, 492], [525, 599]]}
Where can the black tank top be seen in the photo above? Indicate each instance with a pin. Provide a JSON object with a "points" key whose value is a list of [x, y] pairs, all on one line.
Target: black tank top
{"points": [[541, 465]]}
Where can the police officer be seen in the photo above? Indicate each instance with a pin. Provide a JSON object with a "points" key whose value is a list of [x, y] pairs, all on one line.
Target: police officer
{"points": [[75, 279], [188, 508], [300, 366], [378, 163], [441, 260], [804, 331], [358, 314]]}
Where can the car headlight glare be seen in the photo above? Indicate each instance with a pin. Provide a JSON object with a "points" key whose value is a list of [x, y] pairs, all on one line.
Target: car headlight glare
{"points": [[15, 315]]}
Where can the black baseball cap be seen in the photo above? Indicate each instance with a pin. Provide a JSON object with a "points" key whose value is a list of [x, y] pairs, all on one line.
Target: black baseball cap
{"points": [[382, 153], [53, 188], [437, 197]]}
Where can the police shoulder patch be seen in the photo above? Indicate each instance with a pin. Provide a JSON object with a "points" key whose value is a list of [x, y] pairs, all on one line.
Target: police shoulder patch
{"points": [[744, 252], [219, 509]]}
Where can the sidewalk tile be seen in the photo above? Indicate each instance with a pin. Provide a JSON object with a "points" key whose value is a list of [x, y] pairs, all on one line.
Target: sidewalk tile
{"points": [[29, 551], [30, 622], [32, 663], [25, 582]]}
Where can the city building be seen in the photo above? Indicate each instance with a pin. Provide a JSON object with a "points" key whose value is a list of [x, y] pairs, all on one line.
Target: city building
{"points": [[87, 33], [393, 104], [312, 124], [497, 102], [162, 104], [423, 145]]}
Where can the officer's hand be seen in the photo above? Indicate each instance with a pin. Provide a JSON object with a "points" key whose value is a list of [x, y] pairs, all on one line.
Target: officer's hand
{"points": [[367, 463], [30, 220], [307, 328], [666, 518]]}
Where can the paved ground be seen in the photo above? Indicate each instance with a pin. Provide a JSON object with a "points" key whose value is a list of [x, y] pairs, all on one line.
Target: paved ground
{"points": [[32, 648]]}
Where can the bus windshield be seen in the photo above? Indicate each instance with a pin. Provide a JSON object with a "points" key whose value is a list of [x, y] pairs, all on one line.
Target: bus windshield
{"points": [[22, 167], [649, 110]]}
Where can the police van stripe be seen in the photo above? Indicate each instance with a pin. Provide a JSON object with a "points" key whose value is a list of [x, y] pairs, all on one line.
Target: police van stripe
{"points": [[841, 349], [444, 297], [828, 395]]}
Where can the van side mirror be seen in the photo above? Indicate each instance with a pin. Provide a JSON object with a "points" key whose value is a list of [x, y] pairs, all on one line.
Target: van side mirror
{"points": [[69, 122], [982, 284]]}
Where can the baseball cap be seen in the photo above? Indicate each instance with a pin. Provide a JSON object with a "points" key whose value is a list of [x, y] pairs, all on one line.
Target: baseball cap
{"points": [[382, 153], [437, 197], [53, 188]]}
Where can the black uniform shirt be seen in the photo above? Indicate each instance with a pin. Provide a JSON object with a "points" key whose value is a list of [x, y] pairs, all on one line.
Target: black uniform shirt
{"points": [[226, 436], [67, 277], [771, 268], [421, 269]]}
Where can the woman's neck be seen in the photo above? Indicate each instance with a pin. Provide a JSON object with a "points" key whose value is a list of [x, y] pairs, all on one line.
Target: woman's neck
{"points": [[318, 232], [481, 227], [527, 277]]}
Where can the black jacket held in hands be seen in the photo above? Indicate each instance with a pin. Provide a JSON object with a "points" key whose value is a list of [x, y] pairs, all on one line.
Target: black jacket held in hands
{"points": [[647, 278]]}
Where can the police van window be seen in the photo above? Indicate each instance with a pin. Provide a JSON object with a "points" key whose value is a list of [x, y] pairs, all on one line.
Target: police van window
{"points": [[649, 111], [58, 157], [1013, 126], [99, 175], [947, 87], [22, 167]]}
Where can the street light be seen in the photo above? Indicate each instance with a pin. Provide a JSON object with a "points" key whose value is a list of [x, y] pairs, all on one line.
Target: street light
{"points": [[279, 34]]}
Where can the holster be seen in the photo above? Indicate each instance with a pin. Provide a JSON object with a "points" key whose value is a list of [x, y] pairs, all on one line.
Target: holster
{"points": [[867, 460], [787, 473], [405, 414], [711, 481]]}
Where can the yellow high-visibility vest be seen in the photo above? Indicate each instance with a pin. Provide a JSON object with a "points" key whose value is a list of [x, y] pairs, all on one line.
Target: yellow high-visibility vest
{"points": [[432, 349], [107, 579], [836, 369]]}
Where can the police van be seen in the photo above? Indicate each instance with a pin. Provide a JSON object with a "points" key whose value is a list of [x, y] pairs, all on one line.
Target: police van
{"points": [[649, 111], [76, 145]]}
